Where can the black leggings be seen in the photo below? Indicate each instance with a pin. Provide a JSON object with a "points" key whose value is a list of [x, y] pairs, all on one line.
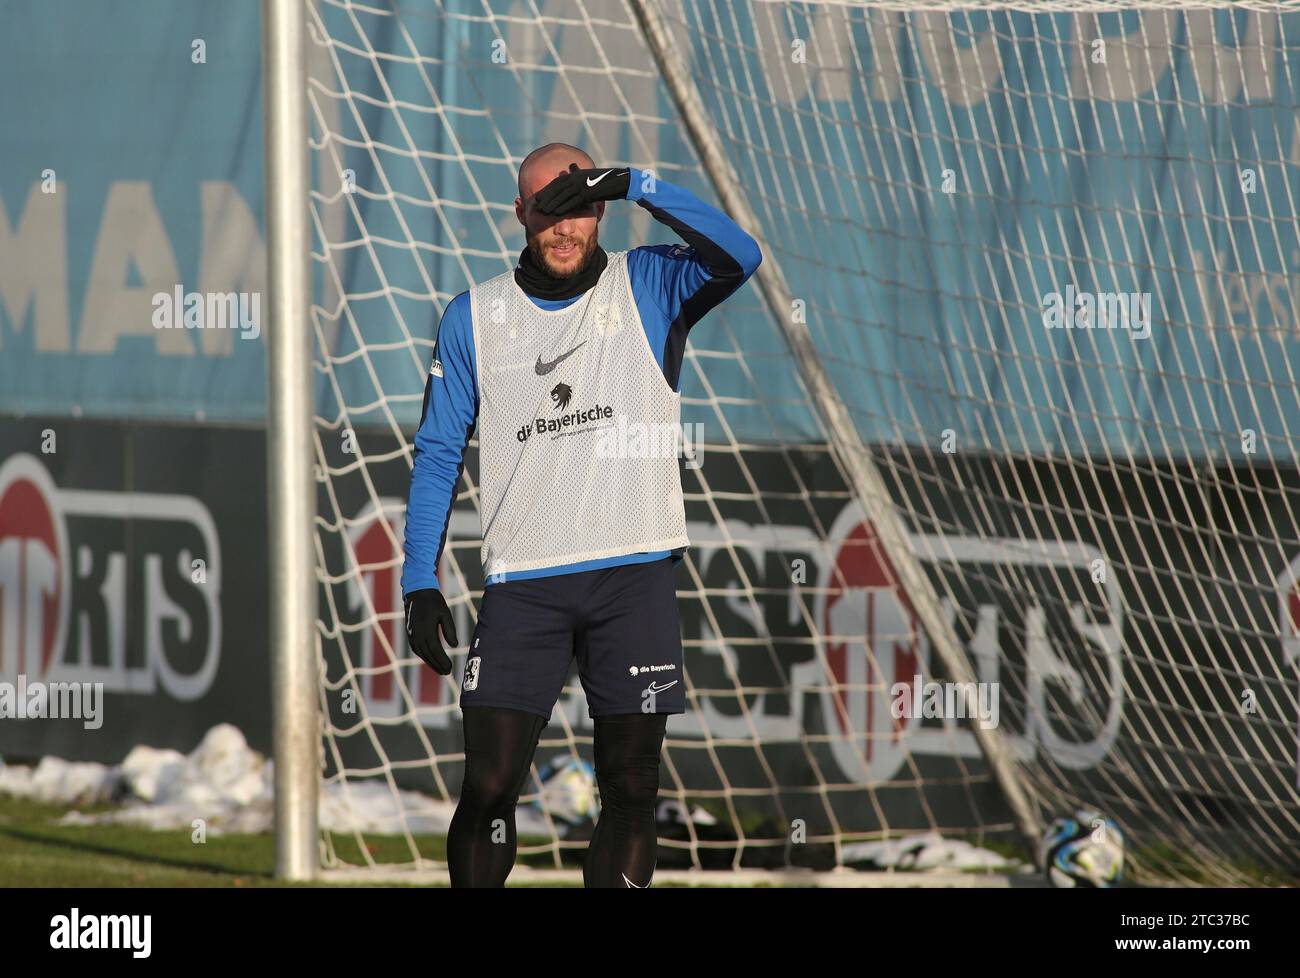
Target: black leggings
{"points": [[499, 747]]}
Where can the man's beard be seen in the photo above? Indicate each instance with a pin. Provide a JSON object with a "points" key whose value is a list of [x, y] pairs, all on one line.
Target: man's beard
{"points": [[539, 251]]}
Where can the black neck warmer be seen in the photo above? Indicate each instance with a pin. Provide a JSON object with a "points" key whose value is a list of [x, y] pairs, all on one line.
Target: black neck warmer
{"points": [[537, 281]]}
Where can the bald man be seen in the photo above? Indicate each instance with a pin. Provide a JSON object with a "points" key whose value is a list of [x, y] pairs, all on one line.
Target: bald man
{"points": [[583, 525]]}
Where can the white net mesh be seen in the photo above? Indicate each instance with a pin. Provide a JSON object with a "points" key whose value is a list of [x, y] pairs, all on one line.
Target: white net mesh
{"points": [[1106, 500]]}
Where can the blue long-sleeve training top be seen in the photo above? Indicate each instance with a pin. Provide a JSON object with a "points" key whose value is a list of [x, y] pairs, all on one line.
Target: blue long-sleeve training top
{"points": [[673, 285]]}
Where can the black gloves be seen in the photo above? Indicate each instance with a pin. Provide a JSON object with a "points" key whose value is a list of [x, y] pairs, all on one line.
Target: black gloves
{"points": [[580, 188], [425, 611]]}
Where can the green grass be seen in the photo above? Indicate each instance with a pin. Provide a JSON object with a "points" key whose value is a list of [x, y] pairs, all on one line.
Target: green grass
{"points": [[36, 852], [1176, 863]]}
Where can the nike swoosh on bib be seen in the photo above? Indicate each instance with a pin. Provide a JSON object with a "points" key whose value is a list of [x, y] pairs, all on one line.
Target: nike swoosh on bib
{"points": [[592, 181], [544, 368]]}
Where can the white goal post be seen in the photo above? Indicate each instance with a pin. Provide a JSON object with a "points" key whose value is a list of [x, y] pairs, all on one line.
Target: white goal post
{"points": [[1011, 410], [291, 494]]}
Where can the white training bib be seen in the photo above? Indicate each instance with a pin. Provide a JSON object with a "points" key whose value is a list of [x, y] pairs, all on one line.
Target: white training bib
{"points": [[578, 429]]}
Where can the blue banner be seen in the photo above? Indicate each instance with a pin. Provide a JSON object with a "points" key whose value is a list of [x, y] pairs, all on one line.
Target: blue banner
{"points": [[1037, 230]]}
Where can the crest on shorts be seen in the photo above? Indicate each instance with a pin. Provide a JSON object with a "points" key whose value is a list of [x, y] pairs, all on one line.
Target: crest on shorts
{"points": [[471, 674]]}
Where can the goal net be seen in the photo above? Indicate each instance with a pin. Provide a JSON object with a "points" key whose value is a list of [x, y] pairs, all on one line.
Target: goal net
{"points": [[1043, 262]]}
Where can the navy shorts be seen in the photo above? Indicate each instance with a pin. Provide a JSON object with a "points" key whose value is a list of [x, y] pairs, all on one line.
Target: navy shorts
{"points": [[620, 623]]}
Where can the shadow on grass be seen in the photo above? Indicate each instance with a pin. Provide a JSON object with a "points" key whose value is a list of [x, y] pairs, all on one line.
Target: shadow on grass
{"points": [[217, 856]]}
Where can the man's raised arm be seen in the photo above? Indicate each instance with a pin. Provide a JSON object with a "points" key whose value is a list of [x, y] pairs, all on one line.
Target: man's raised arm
{"points": [[685, 282]]}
